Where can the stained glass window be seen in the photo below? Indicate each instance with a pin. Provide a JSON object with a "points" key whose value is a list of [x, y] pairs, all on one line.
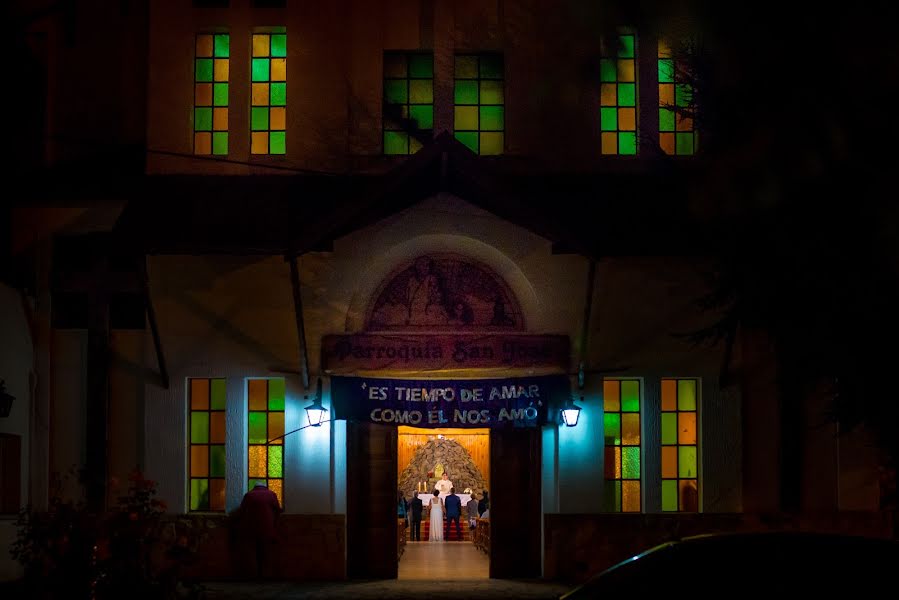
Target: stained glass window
{"points": [[677, 135], [618, 96], [207, 444], [680, 447], [479, 117], [211, 66], [621, 430], [268, 94], [265, 421], [408, 100]]}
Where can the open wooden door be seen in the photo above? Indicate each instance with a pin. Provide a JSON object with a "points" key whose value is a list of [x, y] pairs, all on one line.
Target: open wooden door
{"points": [[371, 501], [515, 506]]}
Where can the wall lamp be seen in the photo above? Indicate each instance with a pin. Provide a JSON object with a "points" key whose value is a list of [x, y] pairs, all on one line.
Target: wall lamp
{"points": [[315, 412], [570, 413]]}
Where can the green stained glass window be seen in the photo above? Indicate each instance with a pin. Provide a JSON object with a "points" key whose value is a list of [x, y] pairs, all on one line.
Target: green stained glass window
{"points": [[211, 72], [622, 445], [265, 422], [618, 94], [206, 412], [677, 134], [680, 445], [479, 114], [408, 114], [268, 93]]}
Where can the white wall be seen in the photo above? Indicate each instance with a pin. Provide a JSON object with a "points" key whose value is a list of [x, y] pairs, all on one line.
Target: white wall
{"points": [[16, 360]]}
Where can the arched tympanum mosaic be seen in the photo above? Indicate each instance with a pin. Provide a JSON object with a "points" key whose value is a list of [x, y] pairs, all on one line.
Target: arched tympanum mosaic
{"points": [[444, 291]]}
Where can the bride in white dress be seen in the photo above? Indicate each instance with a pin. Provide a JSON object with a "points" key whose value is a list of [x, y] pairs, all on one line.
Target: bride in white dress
{"points": [[436, 530]]}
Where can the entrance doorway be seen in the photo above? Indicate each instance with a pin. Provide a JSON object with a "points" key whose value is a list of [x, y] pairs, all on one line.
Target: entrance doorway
{"points": [[424, 457], [514, 477]]}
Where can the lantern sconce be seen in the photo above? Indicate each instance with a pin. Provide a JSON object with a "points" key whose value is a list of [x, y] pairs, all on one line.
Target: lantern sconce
{"points": [[570, 413], [315, 412]]}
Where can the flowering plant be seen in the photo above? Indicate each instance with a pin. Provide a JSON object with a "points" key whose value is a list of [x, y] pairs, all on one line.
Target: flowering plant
{"points": [[430, 474]]}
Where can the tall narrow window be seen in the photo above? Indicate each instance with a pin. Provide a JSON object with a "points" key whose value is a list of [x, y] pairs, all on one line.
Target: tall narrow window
{"points": [[408, 101], [677, 135], [268, 110], [211, 67], [621, 424], [618, 96], [680, 479], [207, 444], [480, 115], [265, 422]]}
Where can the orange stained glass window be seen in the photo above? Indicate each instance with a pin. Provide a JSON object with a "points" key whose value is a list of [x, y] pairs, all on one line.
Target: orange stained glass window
{"points": [[265, 425], [622, 445], [677, 134], [211, 71], [268, 94], [680, 445], [618, 96], [206, 463]]}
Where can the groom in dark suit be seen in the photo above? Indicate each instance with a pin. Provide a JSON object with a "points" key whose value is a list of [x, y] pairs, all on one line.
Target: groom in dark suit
{"points": [[453, 505], [415, 506]]}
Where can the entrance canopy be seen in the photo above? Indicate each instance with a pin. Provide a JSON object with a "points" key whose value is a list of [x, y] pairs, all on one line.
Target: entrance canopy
{"points": [[513, 402]]}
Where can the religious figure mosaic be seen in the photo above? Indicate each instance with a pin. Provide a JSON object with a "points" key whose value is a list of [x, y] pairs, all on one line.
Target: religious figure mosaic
{"points": [[444, 290]]}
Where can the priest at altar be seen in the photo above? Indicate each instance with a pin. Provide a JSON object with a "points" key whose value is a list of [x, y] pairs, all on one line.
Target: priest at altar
{"points": [[444, 485]]}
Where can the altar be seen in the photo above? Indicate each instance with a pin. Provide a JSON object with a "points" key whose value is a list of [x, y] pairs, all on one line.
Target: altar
{"points": [[425, 498]]}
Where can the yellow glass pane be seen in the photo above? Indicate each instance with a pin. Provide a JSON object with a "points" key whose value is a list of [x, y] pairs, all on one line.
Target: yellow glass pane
{"points": [[683, 123], [277, 118], [279, 69], [669, 394], [204, 45], [199, 461], [610, 143], [626, 70], [220, 119], [630, 496], [217, 427], [260, 94], [666, 141], [630, 429], [686, 428], [669, 462], [259, 142], [257, 461], [611, 395], [466, 118], [664, 49], [257, 389], [276, 485], [276, 426], [261, 44], [492, 143], [627, 119], [203, 143], [220, 70], [608, 95], [216, 494], [666, 94], [203, 94], [199, 394]]}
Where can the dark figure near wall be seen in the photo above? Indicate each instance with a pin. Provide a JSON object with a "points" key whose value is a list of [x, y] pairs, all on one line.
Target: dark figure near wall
{"points": [[256, 519]]}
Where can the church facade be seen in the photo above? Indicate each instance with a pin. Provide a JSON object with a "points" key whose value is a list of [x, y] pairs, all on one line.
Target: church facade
{"points": [[382, 201]]}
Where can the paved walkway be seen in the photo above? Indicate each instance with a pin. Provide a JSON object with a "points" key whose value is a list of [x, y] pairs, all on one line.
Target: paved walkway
{"points": [[427, 571]]}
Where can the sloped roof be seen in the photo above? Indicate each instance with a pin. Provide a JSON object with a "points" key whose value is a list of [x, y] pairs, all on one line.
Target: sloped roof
{"points": [[594, 214]]}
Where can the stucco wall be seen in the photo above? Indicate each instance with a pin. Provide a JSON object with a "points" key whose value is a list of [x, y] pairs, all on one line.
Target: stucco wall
{"points": [[16, 364]]}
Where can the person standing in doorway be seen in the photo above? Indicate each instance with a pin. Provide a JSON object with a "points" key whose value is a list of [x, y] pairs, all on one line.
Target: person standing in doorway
{"points": [[415, 508], [453, 505]]}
